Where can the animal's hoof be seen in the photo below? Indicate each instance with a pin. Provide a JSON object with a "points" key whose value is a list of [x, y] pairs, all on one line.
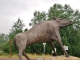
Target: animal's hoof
{"points": [[67, 55]]}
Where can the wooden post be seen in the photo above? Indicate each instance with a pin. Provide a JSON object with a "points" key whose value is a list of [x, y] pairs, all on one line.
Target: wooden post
{"points": [[10, 41]]}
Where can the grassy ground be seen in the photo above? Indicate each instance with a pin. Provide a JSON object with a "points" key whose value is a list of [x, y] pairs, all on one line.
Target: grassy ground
{"points": [[45, 57], [30, 55]]}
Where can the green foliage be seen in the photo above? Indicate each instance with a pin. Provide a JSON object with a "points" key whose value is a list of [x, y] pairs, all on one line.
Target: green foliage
{"points": [[16, 28], [76, 50], [3, 38], [9, 46], [2, 42], [38, 17], [70, 35], [35, 48], [48, 50], [6, 47]]}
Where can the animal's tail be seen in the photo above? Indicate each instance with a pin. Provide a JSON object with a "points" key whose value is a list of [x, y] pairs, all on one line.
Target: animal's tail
{"points": [[14, 41]]}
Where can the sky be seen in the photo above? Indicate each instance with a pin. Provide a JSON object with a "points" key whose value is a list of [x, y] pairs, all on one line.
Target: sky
{"points": [[11, 10]]}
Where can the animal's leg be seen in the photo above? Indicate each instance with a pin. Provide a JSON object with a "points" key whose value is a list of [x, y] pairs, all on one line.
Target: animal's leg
{"points": [[21, 48], [20, 54], [53, 49], [24, 54], [63, 48], [58, 39]]}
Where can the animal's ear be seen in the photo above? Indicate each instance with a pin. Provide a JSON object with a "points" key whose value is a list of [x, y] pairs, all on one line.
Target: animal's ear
{"points": [[54, 18]]}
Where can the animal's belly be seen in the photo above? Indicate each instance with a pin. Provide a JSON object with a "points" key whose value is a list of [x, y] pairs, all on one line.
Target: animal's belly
{"points": [[39, 39]]}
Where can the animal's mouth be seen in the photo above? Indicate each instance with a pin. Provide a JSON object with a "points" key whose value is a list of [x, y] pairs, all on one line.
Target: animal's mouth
{"points": [[70, 23]]}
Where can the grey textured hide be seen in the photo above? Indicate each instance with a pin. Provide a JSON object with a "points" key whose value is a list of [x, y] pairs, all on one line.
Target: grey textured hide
{"points": [[46, 31]]}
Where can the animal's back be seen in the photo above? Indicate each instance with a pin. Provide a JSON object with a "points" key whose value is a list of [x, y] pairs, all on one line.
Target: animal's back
{"points": [[40, 32]]}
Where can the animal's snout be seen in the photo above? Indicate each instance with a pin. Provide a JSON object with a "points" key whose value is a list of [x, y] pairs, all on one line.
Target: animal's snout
{"points": [[71, 22]]}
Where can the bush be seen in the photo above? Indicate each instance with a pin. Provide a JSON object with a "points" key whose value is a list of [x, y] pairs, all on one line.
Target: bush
{"points": [[7, 46], [76, 51]]}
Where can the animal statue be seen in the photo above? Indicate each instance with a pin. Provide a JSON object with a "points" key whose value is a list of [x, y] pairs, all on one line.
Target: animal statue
{"points": [[45, 32]]}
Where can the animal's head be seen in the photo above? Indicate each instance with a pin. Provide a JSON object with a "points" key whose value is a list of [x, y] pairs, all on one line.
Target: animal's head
{"points": [[62, 22]]}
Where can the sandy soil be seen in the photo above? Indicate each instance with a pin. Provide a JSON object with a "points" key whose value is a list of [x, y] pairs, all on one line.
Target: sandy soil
{"points": [[62, 58]]}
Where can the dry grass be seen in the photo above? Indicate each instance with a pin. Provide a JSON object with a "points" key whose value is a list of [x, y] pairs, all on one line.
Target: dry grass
{"points": [[30, 55], [45, 57], [38, 56]]}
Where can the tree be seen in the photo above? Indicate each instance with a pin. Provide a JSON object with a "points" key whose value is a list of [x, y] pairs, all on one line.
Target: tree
{"points": [[3, 40], [71, 34], [38, 17], [16, 28]]}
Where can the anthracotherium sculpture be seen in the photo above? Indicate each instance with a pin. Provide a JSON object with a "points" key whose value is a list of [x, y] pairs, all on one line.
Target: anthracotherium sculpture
{"points": [[46, 31]]}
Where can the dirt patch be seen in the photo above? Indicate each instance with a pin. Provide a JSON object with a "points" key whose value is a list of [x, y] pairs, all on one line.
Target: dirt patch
{"points": [[62, 58]]}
